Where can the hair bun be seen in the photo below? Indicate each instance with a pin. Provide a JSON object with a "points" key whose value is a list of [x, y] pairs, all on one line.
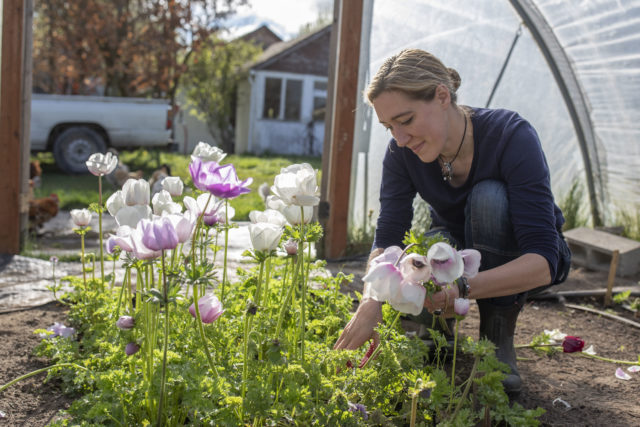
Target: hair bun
{"points": [[455, 78]]}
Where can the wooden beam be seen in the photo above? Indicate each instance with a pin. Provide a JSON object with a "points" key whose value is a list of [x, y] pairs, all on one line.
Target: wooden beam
{"points": [[339, 127], [12, 122]]}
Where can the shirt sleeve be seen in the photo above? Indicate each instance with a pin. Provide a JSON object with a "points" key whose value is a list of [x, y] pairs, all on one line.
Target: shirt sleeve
{"points": [[532, 208], [396, 200]]}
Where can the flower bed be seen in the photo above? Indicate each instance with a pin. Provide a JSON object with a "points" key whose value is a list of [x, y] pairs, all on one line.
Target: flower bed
{"points": [[183, 345]]}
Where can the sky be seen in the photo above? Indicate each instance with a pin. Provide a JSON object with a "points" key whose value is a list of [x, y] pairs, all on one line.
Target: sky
{"points": [[284, 17]]}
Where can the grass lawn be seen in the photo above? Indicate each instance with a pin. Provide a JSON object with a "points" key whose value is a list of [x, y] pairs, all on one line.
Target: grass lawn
{"points": [[78, 191]]}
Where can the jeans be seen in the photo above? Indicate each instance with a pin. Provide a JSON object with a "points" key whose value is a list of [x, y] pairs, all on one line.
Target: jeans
{"points": [[488, 229]]}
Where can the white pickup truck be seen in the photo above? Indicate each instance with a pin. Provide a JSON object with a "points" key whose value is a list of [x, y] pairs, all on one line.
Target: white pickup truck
{"points": [[74, 127]]}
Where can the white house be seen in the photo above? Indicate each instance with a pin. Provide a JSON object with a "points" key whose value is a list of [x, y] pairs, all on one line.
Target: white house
{"points": [[281, 106]]}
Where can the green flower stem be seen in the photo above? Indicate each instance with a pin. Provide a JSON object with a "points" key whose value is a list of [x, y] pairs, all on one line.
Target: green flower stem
{"points": [[256, 297], [124, 283], [472, 375], [84, 273], [200, 328], [453, 366], [303, 299], [414, 409], [37, 371], [382, 339], [245, 362], [166, 341], [606, 359], [226, 243], [100, 231], [580, 353], [285, 303], [266, 283], [113, 275]]}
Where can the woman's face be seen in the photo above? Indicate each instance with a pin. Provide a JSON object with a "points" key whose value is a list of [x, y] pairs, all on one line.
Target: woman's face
{"points": [[415, 124]]}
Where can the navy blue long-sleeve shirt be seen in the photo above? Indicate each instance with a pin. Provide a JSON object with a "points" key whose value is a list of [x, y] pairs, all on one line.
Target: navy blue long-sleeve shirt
{"points": [[507, 149]]}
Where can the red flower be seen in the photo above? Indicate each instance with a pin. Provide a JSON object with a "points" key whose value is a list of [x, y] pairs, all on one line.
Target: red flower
{"points": [[572, 344]]}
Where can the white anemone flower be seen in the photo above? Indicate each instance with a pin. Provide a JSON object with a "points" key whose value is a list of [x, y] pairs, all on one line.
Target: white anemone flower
{"points": [[115, 202], [163, 203], [136, 192], [173, 185], [271, 216], [196, 206], [293, 213], [265, 236], [81, 217], [183, 224], [297, 185], [208, 153], [132, 215], [102, 164]]}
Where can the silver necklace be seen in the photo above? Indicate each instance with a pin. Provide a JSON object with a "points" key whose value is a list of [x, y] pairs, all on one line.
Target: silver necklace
{"points": [[447, 169]]}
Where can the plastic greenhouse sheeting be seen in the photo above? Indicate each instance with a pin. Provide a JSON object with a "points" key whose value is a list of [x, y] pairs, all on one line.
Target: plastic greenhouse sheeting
{"points": [[600, 41]]}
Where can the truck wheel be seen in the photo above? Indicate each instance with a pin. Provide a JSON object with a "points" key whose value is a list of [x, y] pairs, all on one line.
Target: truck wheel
{"points": [[72, 148]]}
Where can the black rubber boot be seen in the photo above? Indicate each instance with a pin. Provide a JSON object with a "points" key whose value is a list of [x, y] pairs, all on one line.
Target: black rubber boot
{"points": [[498, 325]]}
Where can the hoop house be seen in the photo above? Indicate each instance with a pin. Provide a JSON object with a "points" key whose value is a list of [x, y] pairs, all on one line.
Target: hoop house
{"points": [[571, 67]]}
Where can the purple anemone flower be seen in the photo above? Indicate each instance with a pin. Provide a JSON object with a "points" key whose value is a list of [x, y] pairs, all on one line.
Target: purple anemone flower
{"points": [[221, 181], [60, 330]]}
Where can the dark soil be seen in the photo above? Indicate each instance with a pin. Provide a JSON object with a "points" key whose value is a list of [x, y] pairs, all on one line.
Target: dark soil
{"points": [[596, 397], [30, 402]]}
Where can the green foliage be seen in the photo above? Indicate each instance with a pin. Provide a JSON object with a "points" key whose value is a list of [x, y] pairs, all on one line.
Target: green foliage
{"points": [[281, 388], [571, 205]]}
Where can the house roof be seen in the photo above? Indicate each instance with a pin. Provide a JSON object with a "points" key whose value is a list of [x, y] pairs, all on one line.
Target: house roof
{"points": [[278, 50], [261, 36]]}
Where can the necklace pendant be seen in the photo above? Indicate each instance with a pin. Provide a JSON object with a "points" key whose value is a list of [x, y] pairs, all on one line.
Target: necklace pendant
{"points": [[447, 171]]}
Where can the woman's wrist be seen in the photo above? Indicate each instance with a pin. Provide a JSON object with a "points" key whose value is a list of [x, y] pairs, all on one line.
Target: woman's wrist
{"points": [[463, 287]]}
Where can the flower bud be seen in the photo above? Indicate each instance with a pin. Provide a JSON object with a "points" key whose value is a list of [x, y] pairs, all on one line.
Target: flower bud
{"points": [[210, 308], [291, 246], [131, 348], [125, 322], [461, 306]]}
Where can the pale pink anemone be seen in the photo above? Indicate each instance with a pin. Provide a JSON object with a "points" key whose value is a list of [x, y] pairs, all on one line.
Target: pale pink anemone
{"points": [[448, 264], [400, 285]]}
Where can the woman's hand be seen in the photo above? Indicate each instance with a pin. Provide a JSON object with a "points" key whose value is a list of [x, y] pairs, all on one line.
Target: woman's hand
{"points": [[442, 300], [360, 328]]}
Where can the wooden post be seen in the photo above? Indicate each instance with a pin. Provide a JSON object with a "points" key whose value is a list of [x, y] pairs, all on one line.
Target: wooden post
{"points": [[612, 276], [339, 126], [15, 90]]}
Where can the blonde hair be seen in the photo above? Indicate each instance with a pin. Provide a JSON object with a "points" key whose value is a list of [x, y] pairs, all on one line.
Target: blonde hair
{"points": [[416, 73]]}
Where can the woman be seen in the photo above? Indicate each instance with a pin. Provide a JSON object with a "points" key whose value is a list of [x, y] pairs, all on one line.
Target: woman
{"points": [[486, 179]]}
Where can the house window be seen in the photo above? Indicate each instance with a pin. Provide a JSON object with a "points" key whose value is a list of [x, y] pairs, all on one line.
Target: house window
{"points": [[293, 99], [319, 100], [282, 99], [272, 91]]}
